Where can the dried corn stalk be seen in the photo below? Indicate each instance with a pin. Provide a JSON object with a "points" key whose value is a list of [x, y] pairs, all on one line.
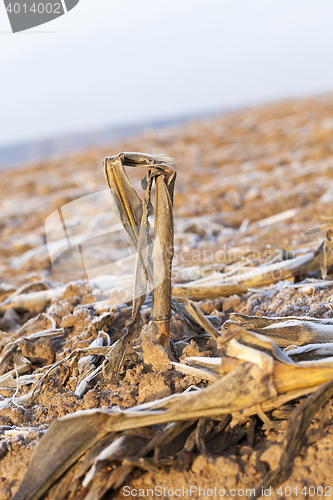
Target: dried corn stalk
{"points": [[288, 330], [151, 266], [207, 291]]}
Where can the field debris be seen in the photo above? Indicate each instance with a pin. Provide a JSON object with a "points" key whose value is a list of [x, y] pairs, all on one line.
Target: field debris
{"points": [[201, 352], [249, 378]]}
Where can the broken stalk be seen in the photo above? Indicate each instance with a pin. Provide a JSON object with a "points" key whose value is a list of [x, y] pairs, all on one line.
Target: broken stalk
{"points": [[134, 216], [161, 311]]}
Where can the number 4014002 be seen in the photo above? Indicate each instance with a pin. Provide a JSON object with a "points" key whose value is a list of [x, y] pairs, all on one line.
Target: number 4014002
{"points": [[306, 492], [49, 8]]}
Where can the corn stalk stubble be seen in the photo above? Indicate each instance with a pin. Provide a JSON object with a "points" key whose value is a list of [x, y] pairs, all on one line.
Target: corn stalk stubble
{"points": [[134, 216]]}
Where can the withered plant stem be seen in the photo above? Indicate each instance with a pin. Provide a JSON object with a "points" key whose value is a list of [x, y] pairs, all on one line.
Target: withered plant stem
{"points": [[134, 216], [161, 311]]}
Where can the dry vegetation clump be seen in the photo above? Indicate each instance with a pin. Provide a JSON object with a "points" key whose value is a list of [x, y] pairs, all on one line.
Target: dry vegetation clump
{"points": [[241, 397]]}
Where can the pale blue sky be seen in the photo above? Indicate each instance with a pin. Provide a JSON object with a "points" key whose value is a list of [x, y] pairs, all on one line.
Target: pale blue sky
{"points": [[125, 61]]}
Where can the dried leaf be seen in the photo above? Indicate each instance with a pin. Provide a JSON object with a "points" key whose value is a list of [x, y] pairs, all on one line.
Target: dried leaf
{"points": [[66, 442]]}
